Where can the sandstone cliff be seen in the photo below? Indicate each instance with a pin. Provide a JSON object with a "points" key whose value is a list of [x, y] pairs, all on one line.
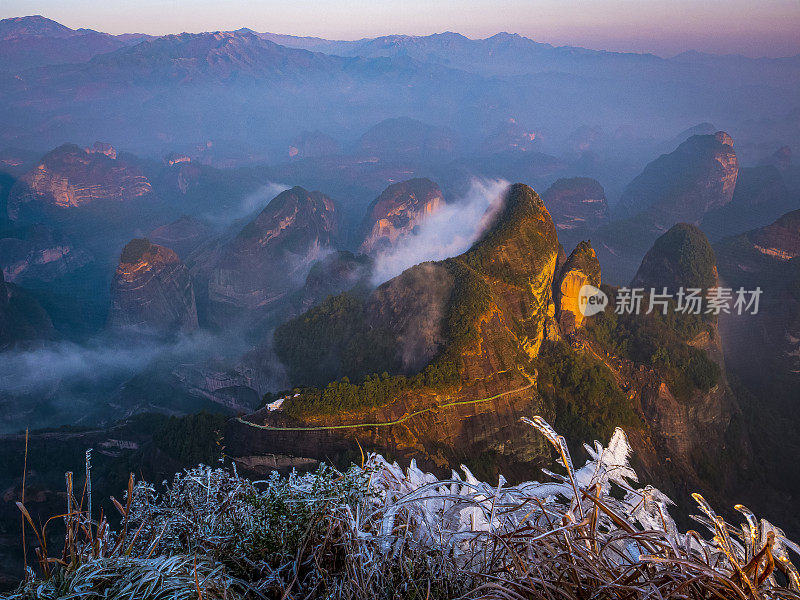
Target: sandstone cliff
{"points": [[759, 198], [467, 327], [398, 211], [767, 343], [271, 255], [70, 177], [481, 327], [39, 254], [696, 179], [152, 291], [762, 350], [672, 368], [580, 269], [699, 176], [500, 290]]}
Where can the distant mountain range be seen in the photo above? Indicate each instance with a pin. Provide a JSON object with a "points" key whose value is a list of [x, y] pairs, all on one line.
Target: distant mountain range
{"points": [[27, 42], [264, 89]]}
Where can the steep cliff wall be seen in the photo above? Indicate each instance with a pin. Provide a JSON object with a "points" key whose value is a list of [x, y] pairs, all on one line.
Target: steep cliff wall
{"points": [[70, 177], [152, 290], [397, 211], [271, 255]]}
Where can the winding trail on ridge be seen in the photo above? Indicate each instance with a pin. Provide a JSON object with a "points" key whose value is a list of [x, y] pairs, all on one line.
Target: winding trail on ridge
{"points": [[402, 419]]}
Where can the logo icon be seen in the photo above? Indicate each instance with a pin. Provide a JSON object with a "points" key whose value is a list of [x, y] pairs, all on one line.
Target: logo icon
{"points": [[591, 300]]}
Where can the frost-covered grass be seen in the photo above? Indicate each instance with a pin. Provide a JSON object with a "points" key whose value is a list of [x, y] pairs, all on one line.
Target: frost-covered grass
{"points": [[376, 531]]}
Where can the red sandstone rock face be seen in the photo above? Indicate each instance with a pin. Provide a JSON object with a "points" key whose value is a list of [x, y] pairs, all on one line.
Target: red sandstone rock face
{"points": [[517, 261], [70, 177], [765, 348], [699, 176], [38, 254], [152, 290], [397, 211], [581, 268], [781, 239], [272, 254]]}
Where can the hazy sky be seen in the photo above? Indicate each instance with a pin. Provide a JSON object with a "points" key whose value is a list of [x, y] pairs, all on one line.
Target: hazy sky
{"points": [[665, 27]]}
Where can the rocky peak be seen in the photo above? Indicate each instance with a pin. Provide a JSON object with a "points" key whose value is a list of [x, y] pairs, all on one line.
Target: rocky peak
{"points": [[29, 42], [724, 138], [291, 220], [398, 211], [219, 55], [34, 25], [272, 254], [682, 186], [482, 309], [682, 257], [140, 252], [581, 268], [520, 238], [761, 257], [781, 239], [71, 177], [152, 291], [103, 148], [38, 253]]}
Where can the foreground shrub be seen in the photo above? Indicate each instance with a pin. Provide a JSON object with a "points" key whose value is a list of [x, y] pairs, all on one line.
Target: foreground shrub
{"points": [[376, 531]]}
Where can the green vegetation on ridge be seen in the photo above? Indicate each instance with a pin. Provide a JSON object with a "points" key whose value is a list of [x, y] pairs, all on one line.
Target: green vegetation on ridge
{"points": [[582, 393], [661, 342]]}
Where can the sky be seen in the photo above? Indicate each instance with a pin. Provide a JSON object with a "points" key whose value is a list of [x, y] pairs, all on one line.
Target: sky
{"points": [[663, 27]]}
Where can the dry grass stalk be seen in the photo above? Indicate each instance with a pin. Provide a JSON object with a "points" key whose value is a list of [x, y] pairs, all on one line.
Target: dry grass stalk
{"points": [[376, 531]]}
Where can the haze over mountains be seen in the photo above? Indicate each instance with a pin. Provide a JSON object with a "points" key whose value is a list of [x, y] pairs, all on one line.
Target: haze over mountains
{"points": [[371, 228], [342, 88]]}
